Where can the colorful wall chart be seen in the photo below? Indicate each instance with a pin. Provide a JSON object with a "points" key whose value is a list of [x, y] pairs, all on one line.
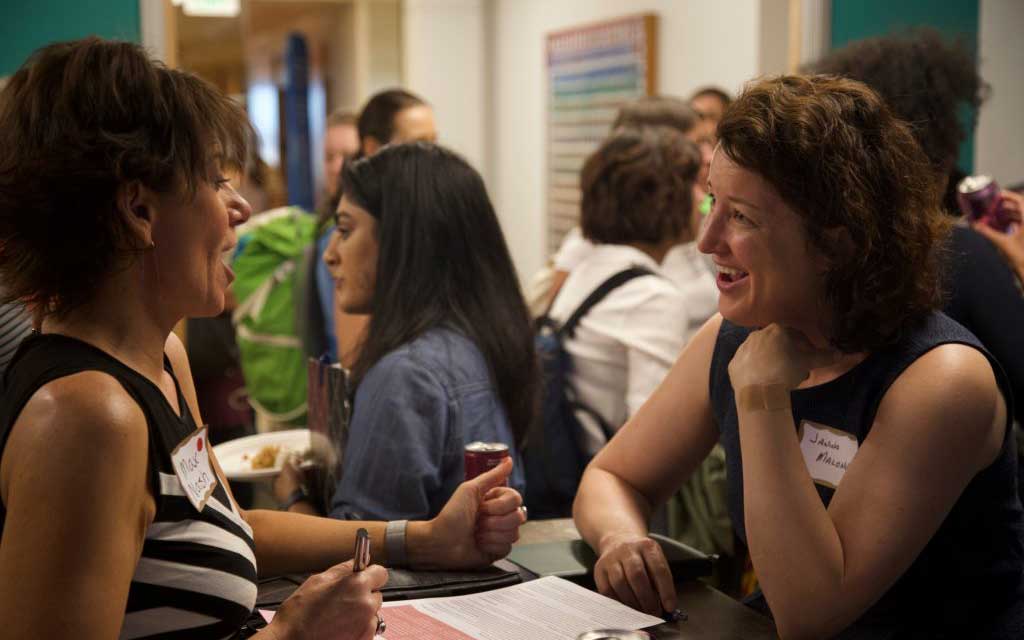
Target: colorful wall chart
{"points": [[592, 71]]}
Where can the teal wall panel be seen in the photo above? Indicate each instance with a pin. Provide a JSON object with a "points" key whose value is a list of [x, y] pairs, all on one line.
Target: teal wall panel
{"points": [[26, 25], [858, 19]]}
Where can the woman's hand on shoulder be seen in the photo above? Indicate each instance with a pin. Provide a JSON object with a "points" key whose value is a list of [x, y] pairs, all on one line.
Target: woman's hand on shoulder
{"points": [[337, 604], [632, 569], [477, 526]]}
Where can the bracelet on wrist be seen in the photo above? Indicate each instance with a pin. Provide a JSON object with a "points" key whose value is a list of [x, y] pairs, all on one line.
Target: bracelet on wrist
{"points": [[394, 543]]}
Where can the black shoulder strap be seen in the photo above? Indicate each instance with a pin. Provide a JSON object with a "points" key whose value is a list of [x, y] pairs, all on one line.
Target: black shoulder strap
{"points": [[598, 294]]}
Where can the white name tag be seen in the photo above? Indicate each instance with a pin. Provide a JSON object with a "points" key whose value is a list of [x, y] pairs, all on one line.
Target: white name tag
{"points": [[827, 452], [191, 460]]}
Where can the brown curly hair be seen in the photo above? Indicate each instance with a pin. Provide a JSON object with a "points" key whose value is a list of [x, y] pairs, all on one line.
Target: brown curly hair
{"points": [[865, 191], [637, 186], [78, 121]]}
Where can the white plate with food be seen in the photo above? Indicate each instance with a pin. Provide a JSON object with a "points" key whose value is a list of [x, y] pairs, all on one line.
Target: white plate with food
{"points": [[262, 455]]}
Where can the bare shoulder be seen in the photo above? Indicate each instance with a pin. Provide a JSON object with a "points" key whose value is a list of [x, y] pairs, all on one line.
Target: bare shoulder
{"points": [[950, 397], [74, 484], [87, 412]]}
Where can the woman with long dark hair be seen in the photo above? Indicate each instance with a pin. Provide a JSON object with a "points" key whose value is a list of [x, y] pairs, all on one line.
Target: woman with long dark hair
{"points": [[448, 357]]}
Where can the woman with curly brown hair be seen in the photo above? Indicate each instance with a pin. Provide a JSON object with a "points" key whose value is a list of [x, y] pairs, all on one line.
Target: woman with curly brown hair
{"points": [[871, 463]]}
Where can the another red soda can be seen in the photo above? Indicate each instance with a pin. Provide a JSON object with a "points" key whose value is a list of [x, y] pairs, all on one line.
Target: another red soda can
{"points": [[979, 200], [481, 457]]}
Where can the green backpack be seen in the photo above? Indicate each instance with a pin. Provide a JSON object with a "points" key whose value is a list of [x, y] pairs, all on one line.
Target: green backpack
{"points": [[267, 288]]}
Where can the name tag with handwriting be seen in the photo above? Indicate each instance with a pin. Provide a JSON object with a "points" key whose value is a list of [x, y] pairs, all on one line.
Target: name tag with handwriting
{"points": [[191, 460], [827, 452]]}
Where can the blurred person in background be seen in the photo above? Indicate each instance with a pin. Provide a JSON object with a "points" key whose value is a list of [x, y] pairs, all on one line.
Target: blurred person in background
{"points": [[710, 103], [341, 141], [115, 517], [649, 111], [928, 81], [868, 436], [317, 316], [698, 513], [637, 200]]}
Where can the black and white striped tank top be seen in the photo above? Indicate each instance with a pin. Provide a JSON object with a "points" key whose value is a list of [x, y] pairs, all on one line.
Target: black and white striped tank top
{"points": [[14, 326], [197, 574]]}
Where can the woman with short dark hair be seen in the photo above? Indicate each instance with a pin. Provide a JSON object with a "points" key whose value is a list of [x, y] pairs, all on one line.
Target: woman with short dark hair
{"points": [[448, 357], [116, 211], [637, 200], [871, 460]]}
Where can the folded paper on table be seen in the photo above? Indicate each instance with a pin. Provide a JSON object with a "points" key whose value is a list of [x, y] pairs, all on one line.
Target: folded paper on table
{"points": [[544, 609]]}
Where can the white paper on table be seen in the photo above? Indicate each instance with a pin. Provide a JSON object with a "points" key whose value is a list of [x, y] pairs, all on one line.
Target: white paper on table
{"points": [[545, 609]]}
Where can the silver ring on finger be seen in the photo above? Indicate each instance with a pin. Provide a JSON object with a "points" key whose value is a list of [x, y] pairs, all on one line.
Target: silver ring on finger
{"points": [[381, 625], [522, 508]]}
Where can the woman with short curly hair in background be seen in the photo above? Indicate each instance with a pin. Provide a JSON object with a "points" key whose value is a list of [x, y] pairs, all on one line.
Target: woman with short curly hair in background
{"points": [[637, 199]]}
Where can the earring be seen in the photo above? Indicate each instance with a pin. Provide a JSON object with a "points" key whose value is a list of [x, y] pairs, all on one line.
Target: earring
{"points": [[152, 245]]}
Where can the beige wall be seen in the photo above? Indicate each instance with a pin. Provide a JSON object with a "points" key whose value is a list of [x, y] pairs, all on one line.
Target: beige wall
{"points": [[699, 43], [999, 140]]}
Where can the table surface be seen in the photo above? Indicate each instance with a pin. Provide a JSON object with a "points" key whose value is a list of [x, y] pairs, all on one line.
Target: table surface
{"points": [[711, 613]]}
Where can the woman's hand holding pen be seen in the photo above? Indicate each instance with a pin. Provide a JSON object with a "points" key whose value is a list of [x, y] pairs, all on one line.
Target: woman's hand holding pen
{"points": [[476, 527], [339, 604]]}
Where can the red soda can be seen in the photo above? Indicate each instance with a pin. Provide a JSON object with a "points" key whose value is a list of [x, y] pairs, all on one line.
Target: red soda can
{"points": [[979, 200], [481, 457]]}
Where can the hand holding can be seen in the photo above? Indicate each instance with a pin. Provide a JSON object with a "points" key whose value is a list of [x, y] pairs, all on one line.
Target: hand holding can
{"points": [[481, 457]]}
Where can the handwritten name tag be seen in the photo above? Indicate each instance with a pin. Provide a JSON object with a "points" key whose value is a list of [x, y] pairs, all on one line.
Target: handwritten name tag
{"points": [[191, 460], [827, 452]]}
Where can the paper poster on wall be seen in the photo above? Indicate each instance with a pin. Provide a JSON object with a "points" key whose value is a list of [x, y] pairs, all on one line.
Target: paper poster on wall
{"points": [[592, 71]]}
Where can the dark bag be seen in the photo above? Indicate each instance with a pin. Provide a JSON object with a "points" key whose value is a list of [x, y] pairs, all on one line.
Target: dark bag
{"points": [[553, 457]]}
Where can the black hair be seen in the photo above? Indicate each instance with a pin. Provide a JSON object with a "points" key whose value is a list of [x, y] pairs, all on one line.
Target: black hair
{"points": [[444, 263], [377, 119], [923, 77]]}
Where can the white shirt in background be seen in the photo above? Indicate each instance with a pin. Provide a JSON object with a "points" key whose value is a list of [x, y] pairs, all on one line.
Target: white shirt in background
{"points": [[625, 345], [694, 275], [573, 250]]}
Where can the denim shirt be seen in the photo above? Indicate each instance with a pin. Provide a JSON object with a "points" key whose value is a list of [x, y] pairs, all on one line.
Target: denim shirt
{"points": [[413, 414]]}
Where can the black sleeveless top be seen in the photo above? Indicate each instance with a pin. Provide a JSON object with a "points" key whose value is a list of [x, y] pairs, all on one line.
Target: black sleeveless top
{"points": [[968, 581], [196, 577]]}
